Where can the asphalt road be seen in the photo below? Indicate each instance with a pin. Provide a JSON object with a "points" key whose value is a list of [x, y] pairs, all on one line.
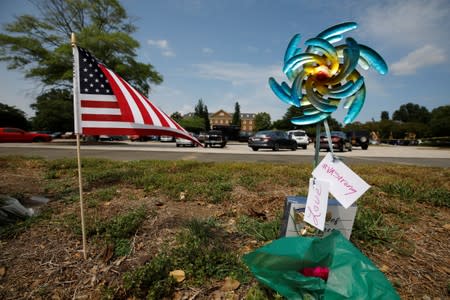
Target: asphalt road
{"points": [[409, 155]]}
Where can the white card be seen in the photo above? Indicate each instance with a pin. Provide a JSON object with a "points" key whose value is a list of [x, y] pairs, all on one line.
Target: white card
{"points": [[317, 203], [345, 185]]}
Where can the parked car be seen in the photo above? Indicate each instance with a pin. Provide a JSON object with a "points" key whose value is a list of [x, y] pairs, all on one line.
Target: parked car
{"points": [[359, 139], [243, 136], [180, 142], [68, 135], [143, 138], [339, 140], [16, 135], [300, 137], [271, 139], [167, 138], [215, 138]]}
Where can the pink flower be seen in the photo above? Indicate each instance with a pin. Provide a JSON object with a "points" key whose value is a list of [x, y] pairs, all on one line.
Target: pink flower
{"points": [[321, 272]]}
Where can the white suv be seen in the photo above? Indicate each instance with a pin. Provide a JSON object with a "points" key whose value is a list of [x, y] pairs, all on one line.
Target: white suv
{"points": [[300, 137]]}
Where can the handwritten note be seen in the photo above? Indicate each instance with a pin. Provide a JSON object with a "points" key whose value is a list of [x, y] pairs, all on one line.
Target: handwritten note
{"points": [[345, 185], [317, 203]]}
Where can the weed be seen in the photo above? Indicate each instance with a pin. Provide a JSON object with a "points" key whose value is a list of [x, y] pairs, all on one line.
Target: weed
{"points": [[10, 231], [200, 252], [101, 195], [262, 231], [436, 196], [403, 189], [122, 247], [260, 292], [151, 280], [371, 228]]}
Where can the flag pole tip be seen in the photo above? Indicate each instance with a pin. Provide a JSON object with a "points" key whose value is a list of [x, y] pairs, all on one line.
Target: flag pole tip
{"points": [[73, 39]]}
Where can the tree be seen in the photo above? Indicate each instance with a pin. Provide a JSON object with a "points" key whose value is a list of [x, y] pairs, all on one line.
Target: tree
{"points": [[439, 123], [411, 112], [54, 111], [10, 116], [262, 121], [40, 45], [236, 120], [206, 118], [176, 116], [384, 115], [193, 124], [201, 110]]}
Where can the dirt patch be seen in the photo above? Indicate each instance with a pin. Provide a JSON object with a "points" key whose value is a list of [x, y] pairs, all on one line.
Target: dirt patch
{"points": [[45, 261]]}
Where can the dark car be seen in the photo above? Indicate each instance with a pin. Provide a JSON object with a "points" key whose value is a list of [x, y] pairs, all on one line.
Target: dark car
{"points": [[215, 138], [271, 139], [359, 139], [16, 135], [339, 140]]}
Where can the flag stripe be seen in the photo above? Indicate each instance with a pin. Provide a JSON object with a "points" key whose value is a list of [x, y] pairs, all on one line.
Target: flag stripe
{"points": [[155, 120], [141, 111], [123, 103], [101, 118], [99, 104], [101, 111]]}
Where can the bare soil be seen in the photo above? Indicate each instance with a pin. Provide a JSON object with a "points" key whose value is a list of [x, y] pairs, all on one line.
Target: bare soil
{"points": [[46, 260]]}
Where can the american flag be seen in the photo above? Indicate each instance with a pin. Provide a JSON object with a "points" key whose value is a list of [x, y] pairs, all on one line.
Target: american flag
{"points": [[105, 104]]}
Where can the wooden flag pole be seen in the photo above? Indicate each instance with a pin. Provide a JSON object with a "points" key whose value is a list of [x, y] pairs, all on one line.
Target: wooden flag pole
{"points": [[80, 182]]}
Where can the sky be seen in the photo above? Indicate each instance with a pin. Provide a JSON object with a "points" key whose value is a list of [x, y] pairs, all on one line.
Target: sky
{"points": [[224, 51]]}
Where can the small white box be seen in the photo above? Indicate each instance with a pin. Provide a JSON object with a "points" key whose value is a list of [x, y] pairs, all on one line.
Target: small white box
{"points": [[338, 218]]}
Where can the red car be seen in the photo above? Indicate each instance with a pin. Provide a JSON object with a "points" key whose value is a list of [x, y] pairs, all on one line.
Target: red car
{"points": [[16, 135]]}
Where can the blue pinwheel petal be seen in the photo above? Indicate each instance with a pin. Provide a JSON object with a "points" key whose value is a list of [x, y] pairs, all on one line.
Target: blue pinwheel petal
{"points": [[348, 89], [309, 119], [281, 93], [356, 105], [337, 30], [292, 48], [373, 59]]}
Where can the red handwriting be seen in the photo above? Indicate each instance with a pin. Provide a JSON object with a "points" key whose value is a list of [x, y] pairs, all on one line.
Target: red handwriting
{"points": [[339, 178], [314, 212]]}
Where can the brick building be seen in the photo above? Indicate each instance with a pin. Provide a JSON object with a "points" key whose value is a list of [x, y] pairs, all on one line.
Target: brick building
{"points": [[223, 118]]}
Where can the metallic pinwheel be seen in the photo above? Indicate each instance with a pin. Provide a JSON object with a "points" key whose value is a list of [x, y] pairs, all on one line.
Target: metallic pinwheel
{"points": [[325, 74]]}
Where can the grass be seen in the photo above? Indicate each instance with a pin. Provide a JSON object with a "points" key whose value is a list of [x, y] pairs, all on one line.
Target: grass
{"points": [[202, 247], [200, 252]]}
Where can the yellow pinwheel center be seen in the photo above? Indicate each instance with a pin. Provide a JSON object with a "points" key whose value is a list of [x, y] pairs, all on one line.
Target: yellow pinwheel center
{"points": [[322, 73]]}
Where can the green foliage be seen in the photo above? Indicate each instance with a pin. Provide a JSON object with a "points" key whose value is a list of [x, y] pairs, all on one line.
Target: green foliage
{"points": [[403, 189], [439, 124], [200, 252], [151, 280], [122, 226], [439, 197], [193, 124], [262, 231], [54, 111], [411, 112], [10, 231], [260, 292], [201, 111], [236, 120], [262, 121], [371, 228], [101, 195], [10, 116]]}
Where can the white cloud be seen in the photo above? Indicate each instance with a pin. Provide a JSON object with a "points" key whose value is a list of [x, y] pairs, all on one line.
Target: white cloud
{"points": [[236, 73], [163, 45], [409, 22], [207, 50], [423, 57]]}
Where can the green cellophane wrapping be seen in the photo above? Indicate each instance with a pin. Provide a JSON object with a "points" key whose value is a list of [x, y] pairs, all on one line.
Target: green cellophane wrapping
{"points": [[352, 275]]}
